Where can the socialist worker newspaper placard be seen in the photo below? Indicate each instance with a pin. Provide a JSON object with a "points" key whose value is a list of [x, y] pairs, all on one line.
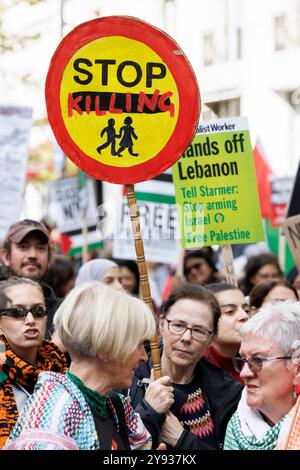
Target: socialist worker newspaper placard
{"points": [[215, 187]]}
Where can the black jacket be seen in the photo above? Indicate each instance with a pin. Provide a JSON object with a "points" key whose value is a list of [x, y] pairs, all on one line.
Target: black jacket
{"points": [[52, 304], [221, 392]]}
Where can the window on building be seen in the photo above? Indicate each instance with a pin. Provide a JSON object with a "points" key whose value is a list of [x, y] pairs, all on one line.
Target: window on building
{"points": [[209, 49], [226, 108], [281, 32]]}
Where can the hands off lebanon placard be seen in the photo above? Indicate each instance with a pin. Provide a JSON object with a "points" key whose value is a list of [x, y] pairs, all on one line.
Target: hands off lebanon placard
{"points": [[122, 99], [215, 186]]}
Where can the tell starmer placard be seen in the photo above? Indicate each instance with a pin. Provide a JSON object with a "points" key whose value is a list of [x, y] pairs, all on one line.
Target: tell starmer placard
{"points": [[215, 187]]}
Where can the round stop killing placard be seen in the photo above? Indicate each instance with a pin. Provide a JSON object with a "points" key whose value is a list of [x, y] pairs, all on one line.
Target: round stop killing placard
{"points": [[122, 99]]}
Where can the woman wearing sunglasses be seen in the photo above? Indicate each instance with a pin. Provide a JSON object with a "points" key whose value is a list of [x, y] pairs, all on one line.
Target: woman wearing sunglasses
{"points": [[23, 351], [270, 369], [199, 268]]}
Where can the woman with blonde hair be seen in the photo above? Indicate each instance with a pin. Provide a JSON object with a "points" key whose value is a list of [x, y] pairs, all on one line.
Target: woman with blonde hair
{"points": [[104, 332]]}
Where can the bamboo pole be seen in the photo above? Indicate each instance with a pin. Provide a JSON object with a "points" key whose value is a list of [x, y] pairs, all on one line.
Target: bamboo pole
{"points": [[84, 233], [228, 265], [281, 249], [144, 281]]}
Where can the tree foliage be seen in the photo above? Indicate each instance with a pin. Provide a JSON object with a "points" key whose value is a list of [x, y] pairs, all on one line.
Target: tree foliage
{"points": [[10, 42]]}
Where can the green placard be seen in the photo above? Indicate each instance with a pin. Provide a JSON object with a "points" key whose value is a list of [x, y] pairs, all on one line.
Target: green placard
{"points": [[215, 187]]}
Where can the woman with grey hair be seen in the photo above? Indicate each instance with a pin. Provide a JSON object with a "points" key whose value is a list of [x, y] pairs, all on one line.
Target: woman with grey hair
{"points": [[269, 367], [104, 331]]}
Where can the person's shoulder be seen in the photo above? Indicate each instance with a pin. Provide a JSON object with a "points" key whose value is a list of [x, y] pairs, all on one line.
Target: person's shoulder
{"points": [[48, 291], [60, 389], [51, 379], [144, 369], [54, 383], [217, 376], [140, 373]]}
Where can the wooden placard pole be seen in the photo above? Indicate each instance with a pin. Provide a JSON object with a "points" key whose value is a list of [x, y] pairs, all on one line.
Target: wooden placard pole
{"points": [[291, 229], [84, 233], [281, 249], [144, 281], [228, 265]]}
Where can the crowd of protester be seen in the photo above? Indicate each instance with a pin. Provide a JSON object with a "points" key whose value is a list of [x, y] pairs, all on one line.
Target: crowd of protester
{"points": [[76, 370]]}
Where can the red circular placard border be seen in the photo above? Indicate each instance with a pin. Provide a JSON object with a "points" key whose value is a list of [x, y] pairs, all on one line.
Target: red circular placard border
{"points": [[183, 74]]}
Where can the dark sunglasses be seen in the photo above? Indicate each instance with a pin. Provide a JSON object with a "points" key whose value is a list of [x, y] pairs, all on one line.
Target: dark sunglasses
{"points": [[38, 311], [255, 363], [194, 266]]}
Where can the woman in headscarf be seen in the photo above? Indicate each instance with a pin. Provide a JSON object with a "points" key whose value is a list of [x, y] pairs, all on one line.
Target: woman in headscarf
{"points": [[103, 270]]}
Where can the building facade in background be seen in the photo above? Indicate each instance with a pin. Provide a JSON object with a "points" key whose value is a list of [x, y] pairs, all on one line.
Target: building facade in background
{"points": [[245, 55]]}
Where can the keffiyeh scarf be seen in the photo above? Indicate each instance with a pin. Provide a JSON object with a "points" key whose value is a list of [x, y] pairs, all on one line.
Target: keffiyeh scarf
{"points": [[247, 430], [13, 369]]}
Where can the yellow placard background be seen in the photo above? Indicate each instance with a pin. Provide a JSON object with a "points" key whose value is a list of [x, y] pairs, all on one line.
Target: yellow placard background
{"points": [[153, 130]]}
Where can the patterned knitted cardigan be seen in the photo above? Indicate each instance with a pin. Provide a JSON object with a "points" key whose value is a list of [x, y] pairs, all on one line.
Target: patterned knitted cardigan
{"points": [[57, 417]]}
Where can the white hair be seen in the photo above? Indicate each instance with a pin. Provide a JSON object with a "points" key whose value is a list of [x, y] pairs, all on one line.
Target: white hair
{"points": [[278, 322]]}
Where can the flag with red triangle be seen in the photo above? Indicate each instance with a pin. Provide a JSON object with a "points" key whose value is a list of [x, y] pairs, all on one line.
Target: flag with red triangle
{"points": [[263, 176]]}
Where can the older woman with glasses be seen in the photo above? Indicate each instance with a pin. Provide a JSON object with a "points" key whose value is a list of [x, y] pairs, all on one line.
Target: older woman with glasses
{"points": [[190, 406], [270, 369], [23, 352]]}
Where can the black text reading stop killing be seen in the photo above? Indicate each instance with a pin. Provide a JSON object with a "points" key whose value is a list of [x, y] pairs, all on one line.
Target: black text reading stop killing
{"points": [[101, 102]]}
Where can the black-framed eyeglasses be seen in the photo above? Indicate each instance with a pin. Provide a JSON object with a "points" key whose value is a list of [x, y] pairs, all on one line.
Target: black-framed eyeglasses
{"points": [[194, 266], [177, 328], [38, 311], [255, 363]]}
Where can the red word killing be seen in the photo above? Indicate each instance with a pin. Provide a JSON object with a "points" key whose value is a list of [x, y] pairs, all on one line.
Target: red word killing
{"points": [[102, 103]]}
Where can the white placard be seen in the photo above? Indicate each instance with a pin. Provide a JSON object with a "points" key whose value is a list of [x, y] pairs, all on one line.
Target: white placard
{"points": [[15, 125]]}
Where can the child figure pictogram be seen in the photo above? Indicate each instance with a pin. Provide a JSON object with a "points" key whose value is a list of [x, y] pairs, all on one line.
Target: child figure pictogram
{"points": [[126, 134], [111, 137]]}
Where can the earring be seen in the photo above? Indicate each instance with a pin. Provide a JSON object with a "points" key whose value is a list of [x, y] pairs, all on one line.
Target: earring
{"points": [[294, 393]]}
